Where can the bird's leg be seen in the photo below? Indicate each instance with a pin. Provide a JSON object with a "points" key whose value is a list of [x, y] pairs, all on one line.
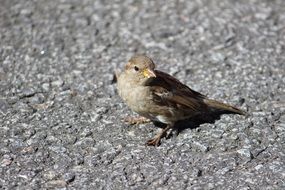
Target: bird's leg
{"points": [[136, 120], [156, 140]]}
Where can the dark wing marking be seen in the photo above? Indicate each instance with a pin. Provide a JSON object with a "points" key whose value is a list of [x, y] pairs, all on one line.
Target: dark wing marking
{"points": [[169, 91]]}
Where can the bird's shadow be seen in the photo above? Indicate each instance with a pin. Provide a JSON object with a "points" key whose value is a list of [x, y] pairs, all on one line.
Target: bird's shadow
{"points": [[195, 121]]}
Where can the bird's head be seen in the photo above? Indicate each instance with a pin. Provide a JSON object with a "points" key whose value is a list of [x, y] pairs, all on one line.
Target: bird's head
{"points": [[140, 68]]}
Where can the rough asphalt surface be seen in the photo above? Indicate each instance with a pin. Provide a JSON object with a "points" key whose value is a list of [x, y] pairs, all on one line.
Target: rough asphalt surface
{"points": [[61, 116]]}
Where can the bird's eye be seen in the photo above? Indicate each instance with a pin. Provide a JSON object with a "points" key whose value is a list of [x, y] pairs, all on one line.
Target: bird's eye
{"points": [[136, 68]]}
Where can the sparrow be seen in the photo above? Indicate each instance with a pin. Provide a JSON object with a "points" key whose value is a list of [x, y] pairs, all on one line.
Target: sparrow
{"points": [[159, 97]]}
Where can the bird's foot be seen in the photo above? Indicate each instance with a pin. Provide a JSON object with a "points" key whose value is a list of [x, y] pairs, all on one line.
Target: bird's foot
{"points": [[156, 140], [136, 120]]}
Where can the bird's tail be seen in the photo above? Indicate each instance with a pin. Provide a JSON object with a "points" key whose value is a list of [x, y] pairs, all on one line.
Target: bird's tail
{"points": [[213, 104]]}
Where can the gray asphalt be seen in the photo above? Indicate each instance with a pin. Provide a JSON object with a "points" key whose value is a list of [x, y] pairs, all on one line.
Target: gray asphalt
{"points": [[61, 116]]}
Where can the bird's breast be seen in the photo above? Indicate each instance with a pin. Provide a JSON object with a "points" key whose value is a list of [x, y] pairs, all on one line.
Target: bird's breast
{"points": [[136, 97]]}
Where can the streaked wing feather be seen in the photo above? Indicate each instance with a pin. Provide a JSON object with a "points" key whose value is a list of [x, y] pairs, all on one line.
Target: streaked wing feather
{"points": [[171, 92]]}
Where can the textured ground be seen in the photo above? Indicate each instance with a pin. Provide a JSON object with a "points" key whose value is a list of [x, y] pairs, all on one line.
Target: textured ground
{"points": [[61, 116]]}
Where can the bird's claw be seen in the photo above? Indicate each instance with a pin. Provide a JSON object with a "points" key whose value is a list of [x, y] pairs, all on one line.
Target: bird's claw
{"points": [[136, 120], [156, 140], [153, 142]]}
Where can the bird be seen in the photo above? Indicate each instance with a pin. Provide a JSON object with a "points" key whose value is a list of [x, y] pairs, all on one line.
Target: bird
{"points": [[159, 97]]}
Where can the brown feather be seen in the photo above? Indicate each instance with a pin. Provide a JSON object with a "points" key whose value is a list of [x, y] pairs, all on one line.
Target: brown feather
{"points": [[213, 104], [171, 92]]}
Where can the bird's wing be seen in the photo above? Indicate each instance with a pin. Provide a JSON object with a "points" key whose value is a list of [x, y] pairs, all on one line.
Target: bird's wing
{"points": [[169, 91]]}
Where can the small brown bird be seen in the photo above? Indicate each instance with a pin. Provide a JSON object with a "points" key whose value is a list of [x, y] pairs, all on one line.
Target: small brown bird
{"points": [[157, 96]]}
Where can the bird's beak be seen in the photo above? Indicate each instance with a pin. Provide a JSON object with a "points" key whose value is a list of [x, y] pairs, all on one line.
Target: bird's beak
{"points": [[148, 73]]}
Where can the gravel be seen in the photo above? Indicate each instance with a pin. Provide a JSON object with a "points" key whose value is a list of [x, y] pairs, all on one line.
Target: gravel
{"points": [[61, 117]]}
